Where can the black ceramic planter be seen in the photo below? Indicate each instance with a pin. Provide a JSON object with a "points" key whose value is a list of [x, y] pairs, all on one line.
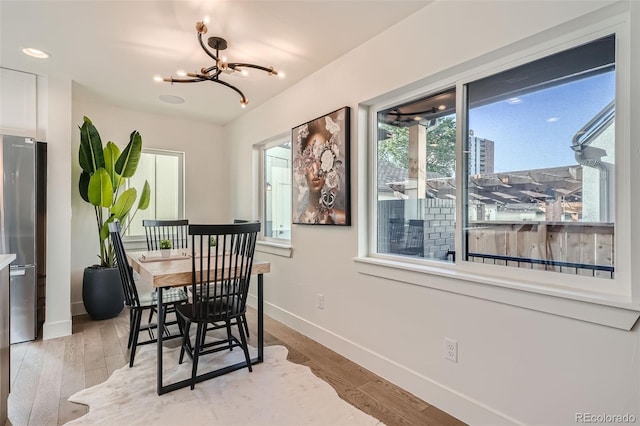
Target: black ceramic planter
{"points": [[102, 292]]}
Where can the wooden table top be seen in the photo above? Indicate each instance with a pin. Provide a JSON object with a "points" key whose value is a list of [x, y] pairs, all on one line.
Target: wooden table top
{"points": [[174, 271]]}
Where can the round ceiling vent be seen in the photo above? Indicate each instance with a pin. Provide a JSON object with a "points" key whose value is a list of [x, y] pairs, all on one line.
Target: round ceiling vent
{"points": [[170, 99]]}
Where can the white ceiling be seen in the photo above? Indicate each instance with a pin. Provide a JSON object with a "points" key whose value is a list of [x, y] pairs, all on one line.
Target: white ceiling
{"points": [[112, 49]]}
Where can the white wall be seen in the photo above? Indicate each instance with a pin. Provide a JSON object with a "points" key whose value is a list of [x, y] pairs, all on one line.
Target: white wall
{"points": [[515, 365], [54, 127], [206, 173]]}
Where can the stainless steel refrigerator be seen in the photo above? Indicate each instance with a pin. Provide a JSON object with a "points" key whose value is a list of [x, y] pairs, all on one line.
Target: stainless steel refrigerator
{"points": [[22, 230]]}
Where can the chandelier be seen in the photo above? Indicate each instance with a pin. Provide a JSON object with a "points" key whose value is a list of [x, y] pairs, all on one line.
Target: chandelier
{"points": [[221, 66]]}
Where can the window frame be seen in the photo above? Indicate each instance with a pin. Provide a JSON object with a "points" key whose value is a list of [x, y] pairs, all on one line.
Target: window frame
{"points": [[265, 244], [618, 305]]}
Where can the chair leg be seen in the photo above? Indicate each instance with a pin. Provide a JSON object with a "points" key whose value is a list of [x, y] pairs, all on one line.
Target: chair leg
{"points": [[179, 320], [186, 342], [202, 328], [246, 326], [136, 330], [130, 329], [245, 347], [229, 337], [204, 335]]}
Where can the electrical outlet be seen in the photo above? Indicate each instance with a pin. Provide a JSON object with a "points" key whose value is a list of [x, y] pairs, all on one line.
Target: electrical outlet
{"points": [[451, 349], [320, 301]]}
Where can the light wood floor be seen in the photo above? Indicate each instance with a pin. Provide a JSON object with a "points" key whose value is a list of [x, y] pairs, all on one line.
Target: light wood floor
{"points": [[48, 372]]}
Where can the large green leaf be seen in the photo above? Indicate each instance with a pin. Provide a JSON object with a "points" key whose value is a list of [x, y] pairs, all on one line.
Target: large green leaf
{"points": [[104, 231], [124, 203], [90, 156], [83, 185], [145, 196], [100, 189], [111, 154], [128, 161]]}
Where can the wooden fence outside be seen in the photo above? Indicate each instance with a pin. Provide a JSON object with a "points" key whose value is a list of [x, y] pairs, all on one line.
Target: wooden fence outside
{"points": [[569, 247]]}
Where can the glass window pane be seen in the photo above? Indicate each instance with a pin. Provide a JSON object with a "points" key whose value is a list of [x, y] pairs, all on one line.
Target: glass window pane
{"points": [[163, 171], [277, 192], [540, 156], [416, 170]]}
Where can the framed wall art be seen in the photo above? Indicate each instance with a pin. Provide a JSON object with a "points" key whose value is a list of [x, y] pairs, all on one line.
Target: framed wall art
{"points": [[321, 180]]}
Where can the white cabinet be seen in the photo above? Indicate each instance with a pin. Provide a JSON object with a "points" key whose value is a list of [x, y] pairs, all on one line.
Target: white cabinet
{"points": [[18, 103]]}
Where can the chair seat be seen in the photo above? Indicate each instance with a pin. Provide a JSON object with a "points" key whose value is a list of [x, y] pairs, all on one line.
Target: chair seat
{"points": [[168, 296], [224, 309]]}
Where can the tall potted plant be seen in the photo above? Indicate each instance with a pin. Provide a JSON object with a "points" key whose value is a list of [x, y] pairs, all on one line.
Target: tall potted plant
{"points": [[105, 170]]}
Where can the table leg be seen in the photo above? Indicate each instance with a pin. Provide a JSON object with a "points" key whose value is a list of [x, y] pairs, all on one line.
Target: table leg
{"points": [[260, 319], [159, 338]]}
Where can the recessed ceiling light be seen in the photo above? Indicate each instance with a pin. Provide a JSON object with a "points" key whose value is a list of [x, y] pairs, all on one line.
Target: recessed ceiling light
{"points": [[35, 53], [170, 99], [442, 107]]}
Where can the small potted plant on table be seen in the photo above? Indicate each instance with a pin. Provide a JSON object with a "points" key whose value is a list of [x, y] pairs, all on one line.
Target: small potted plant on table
{"points": [[165, 247]]}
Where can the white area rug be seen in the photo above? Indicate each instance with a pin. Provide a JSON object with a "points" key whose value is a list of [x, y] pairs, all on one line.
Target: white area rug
{"points": [[277, 392]]}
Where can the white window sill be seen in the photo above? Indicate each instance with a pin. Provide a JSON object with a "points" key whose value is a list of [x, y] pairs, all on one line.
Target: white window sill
{"points": [[277, 249], [611, 312]]}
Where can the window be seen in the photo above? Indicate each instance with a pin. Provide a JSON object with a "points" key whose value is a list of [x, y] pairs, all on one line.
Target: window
{"points": [[537, 165], [541, 183], [164, 170], [277, 190], [415, 178], [540, 154]]}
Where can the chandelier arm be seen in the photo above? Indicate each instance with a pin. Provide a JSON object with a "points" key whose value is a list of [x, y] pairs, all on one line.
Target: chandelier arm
{"points": [[269, 70], [208, 70], [184, 80], [207, 51], [243, 98]]}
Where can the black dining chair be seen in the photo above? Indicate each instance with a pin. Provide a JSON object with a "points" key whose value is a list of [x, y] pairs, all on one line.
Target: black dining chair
{"points": [[136, 302], [220, 285], [174, 230]]}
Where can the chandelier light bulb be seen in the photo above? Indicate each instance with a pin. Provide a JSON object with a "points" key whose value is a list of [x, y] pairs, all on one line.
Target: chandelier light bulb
{"points": [[244, 103], [181, 73], [157, 78], [205, 19]]}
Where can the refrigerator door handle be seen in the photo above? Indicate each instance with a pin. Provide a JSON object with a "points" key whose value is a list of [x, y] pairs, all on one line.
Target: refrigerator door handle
{"points": [[16, 272]]}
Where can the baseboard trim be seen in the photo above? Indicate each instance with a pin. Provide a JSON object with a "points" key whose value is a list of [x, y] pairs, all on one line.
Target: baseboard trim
{"points": [[56, 329], [77, 308], [456, 403]]}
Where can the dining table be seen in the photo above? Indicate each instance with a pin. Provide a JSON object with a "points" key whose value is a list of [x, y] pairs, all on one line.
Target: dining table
{"points": [[175, 270]]}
